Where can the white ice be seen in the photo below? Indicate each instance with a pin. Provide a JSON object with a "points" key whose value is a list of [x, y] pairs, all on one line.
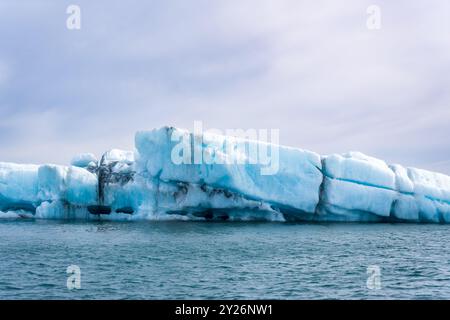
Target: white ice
{"points": [[84, 160]]}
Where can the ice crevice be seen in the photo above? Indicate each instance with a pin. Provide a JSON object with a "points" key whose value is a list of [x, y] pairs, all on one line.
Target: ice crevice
{"points": [[147, 184]]}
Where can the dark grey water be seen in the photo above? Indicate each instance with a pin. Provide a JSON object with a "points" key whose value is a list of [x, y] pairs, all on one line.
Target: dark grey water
{"points": [[194, 260]]}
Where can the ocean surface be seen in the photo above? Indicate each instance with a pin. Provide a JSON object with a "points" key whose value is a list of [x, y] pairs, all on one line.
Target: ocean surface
{"points": [[223, 260]]}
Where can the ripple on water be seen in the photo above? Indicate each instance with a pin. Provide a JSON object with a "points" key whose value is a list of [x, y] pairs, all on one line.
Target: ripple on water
{"points": [[196, 260]]}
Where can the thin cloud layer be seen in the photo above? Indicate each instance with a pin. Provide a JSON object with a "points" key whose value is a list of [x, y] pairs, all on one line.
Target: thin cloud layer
{"points": [[312, 69]]}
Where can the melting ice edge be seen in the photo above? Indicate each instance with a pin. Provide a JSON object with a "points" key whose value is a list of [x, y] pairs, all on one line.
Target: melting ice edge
{"points": [[146, 184]]}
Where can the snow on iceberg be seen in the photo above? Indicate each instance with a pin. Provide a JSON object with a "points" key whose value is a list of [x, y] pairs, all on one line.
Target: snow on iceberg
{"points": [[164, 179]]}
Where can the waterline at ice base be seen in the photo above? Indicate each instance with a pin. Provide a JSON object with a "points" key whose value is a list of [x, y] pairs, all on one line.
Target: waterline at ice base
{"points": [[227, 185]]}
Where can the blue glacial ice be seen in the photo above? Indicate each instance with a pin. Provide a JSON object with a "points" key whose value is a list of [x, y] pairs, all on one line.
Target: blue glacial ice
{"points": [[163, 179]]}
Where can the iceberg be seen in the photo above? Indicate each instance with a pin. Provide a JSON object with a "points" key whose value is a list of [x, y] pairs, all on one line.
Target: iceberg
{"points": [[31, 188], [84, 160], [175, 174], [295, 185]]}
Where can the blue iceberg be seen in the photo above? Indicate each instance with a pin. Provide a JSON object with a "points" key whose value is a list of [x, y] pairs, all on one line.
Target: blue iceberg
{"points": [[163, 179]]}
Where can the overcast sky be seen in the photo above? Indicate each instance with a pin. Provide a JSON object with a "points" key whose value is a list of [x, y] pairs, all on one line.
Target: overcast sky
{"points": [[309, 68]]}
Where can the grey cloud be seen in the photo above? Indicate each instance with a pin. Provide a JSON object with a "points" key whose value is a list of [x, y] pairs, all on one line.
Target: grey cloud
{"points": [[313, 70]]}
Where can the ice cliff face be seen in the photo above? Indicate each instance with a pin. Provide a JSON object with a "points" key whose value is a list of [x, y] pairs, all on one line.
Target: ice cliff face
{"points": [[149, 184]]}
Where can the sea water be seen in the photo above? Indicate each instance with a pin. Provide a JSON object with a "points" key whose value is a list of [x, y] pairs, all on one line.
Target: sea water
{"points": [[223, 260]]}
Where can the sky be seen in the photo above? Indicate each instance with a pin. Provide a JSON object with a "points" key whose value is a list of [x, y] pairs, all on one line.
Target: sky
{"points": [[312, 69]]}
